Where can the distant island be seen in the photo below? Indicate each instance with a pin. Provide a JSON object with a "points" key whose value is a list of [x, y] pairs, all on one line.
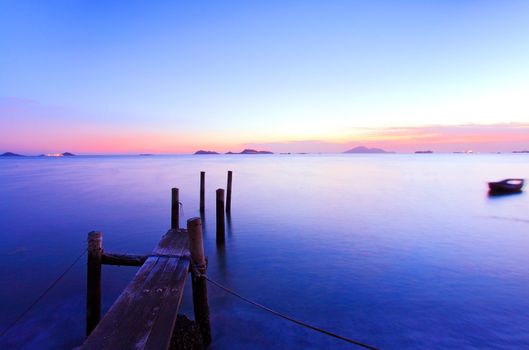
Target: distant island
{"points": [[252, 151], [11, 154], [423, 152], [362, 149], [525, 151], [246, 151], [65, 154], [205, 152]]}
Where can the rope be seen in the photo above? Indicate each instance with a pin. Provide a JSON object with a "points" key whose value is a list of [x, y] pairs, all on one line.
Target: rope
{"points": [[196, 271], [42, 295], [181, 205], [286, 317]]}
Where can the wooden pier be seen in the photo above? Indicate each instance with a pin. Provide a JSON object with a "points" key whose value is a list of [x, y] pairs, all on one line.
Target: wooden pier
{"points": [[144, 315]]}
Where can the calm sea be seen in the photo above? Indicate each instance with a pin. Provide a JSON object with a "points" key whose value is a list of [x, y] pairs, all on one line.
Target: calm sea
{"points": [[397, 251]]}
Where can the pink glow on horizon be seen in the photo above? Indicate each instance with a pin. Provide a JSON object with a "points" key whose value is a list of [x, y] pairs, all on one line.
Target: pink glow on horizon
{"points": [[85, 141], [91, 140], [30, 128]]}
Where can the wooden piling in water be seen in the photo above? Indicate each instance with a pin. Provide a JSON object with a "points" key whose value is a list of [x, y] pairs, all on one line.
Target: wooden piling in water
{"points": [[202, 189], [93, 281], [175, 209], [228, 192], [144, 315], [198, 270], [221, 227]]}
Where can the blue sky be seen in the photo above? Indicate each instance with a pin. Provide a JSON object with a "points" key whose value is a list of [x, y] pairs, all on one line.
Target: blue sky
{"points": [[233, 73]]}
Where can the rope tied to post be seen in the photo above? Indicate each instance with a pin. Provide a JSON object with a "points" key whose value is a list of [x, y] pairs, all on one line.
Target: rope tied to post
{"points": [[199, 270], [181, 206], [279, 314]]}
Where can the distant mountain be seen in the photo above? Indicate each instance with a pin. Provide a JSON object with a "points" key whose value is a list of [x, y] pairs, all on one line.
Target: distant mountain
{"points": [[362, 149], [246, 151], [423, 152], [206, 152], [68, 154], [520, 151], [252, 151], [10, 154]]}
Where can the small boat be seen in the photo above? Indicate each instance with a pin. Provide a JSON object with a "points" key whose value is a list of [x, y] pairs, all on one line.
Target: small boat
{"points": [[506, 186]]}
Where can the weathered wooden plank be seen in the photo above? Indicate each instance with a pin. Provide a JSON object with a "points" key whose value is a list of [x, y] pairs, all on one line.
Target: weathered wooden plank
{"points": [[144, 315], [162, 330], [134, 331], [169, 242], [106, 329]]}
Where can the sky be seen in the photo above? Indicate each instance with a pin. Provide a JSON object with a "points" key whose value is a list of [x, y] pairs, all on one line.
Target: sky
{"points": [[114, 77]]}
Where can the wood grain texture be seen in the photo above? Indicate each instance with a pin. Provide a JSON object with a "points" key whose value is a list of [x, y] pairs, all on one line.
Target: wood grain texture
{"points": [[144, 315]]}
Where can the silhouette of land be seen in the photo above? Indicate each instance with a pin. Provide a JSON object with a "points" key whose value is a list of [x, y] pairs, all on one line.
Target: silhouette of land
{"points": [[11, 154], [205, 152], [246, 151], [362, 149]]}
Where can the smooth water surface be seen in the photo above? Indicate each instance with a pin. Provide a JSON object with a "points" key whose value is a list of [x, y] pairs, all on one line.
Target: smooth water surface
{"points": [[398, 251]]}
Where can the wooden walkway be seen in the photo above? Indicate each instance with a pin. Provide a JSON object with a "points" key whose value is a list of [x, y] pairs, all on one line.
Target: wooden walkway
{"points": [[144, 315]]}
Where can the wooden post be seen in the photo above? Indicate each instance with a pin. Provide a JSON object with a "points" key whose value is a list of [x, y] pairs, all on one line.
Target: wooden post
{"points": [[228, 193], [202, 189], [200, 291], [93, 281], [175, 209], [220, 216]]}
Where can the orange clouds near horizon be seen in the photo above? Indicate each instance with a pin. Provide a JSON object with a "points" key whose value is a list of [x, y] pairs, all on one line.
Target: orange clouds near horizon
{"points": [[439, 138], [30, 128], [450, 138]]}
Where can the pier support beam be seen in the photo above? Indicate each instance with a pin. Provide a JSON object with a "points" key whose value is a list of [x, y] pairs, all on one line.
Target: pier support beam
{"points": [[93, 281], [175, 209], [221, 227], [123, 259], [228, 192], [202, 189], [198, 269]]}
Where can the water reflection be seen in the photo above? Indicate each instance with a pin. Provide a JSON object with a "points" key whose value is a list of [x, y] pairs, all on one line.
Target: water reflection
{"points": [[388, 250], [228, 224], [495, 194]]}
